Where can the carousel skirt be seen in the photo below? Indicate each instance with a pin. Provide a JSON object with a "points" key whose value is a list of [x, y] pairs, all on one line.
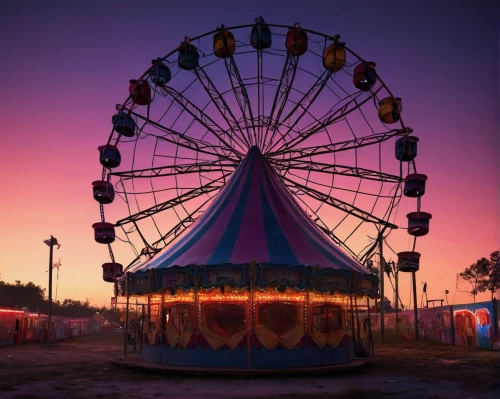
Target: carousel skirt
{"points": [[261, 358]]}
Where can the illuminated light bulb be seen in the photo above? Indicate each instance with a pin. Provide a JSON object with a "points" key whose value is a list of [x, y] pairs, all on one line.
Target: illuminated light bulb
{"points": [[11, 311]]}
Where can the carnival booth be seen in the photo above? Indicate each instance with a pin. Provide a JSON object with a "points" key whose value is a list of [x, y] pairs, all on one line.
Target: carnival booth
{"points": [[31, 328], [11, 321], [253, 284], [80, 326]]}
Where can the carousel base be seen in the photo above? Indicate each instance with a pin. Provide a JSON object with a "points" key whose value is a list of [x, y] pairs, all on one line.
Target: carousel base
{"points": [[225, 360], [142, 364]]}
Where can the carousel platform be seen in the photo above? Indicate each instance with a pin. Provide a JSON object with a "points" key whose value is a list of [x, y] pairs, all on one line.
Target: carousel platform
{"points": [[136, 363]]}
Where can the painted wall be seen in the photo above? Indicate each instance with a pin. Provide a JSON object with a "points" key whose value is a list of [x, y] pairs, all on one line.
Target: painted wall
{"points": [[475, 325], [436, 324]]}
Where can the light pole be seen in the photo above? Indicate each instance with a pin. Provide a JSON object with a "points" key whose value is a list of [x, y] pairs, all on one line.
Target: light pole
{"points": [[50, 243]]}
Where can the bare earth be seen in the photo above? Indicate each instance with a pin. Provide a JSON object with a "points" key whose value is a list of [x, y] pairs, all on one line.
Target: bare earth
{"points": [[80, 368]]}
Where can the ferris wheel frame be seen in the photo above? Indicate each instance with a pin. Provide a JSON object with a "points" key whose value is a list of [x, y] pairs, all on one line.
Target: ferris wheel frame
{"points": [[282, 155]]}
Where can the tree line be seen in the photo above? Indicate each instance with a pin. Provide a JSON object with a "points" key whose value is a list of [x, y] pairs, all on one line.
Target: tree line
{"points": [[32, 296], [483, 275]]}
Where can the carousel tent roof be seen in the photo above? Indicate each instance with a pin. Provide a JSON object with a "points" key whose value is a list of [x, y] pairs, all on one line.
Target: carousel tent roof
{"points": [[254, 216]]}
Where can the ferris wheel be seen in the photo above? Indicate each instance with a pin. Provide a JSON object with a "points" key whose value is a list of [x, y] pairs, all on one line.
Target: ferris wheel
{"points": [[321, 115]]}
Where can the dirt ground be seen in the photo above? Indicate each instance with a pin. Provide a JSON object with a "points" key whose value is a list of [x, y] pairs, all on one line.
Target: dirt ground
{"points": [[81, 368]]}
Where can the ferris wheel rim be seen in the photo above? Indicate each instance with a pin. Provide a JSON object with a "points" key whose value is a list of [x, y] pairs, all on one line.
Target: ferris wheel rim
{"points": [[147, 73]]}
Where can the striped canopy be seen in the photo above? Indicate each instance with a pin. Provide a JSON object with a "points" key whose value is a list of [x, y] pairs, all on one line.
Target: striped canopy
{"points": [[254, 216]]}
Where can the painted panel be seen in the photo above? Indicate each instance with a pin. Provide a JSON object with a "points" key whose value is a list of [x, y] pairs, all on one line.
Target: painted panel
{"points": [[435, 324]]}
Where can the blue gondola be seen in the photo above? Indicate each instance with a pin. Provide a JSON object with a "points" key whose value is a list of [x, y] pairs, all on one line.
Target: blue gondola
{"points": [[160, 75], [261, 37], [415, 185], [109, 156], [124, 124], [188, 58], [406, 148]]}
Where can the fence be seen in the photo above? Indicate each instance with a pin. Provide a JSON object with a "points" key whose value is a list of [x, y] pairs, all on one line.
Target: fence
{"points": [[472, 325], [19, 326]]}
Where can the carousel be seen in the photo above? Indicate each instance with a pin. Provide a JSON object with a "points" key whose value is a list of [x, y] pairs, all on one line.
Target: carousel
{"points": [[256, 205]]}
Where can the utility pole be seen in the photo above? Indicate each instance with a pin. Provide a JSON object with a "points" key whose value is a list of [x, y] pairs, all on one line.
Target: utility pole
{"points": [[415, 306], [125, 343], [381, 265], [396, 277], [50, 243]]}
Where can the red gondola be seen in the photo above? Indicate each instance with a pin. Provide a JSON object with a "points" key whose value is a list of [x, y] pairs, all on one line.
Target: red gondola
{"points": [[408, 261], [104, 233], [296, 41], [103, 191], [111, 271], [365, 76], [418, 223], [140, 91]]}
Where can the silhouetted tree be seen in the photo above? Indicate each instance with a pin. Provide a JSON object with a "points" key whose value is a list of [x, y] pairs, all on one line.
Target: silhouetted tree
{"points": [[492, 282], [22, 295], [29, 295], [477, 275]]}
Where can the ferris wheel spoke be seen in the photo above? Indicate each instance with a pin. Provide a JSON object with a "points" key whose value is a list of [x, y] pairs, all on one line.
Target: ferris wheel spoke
{"points": [[312, 166], [307, 181], [197, 146], [332, 116], [200, 116], [336, 203], [372, 247], [300, 153], [183, 140], [222, 106], [180, 227], [170, 170], [304, 103], [282, 92], [323, 226], [171, 203], [241, 95]]}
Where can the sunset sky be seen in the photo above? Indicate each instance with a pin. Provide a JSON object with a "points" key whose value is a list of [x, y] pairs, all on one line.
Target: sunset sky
{"points": [[66, 66]]}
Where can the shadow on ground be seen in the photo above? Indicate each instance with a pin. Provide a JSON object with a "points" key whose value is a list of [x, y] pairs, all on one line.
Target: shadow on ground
{"points": [[81, 368]]}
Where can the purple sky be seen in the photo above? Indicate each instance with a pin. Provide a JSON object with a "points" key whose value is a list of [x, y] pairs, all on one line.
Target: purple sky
{"points": [[66, 66]]}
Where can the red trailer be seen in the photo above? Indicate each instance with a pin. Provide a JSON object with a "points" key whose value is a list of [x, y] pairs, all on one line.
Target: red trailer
{"points": [[11, 326]]}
